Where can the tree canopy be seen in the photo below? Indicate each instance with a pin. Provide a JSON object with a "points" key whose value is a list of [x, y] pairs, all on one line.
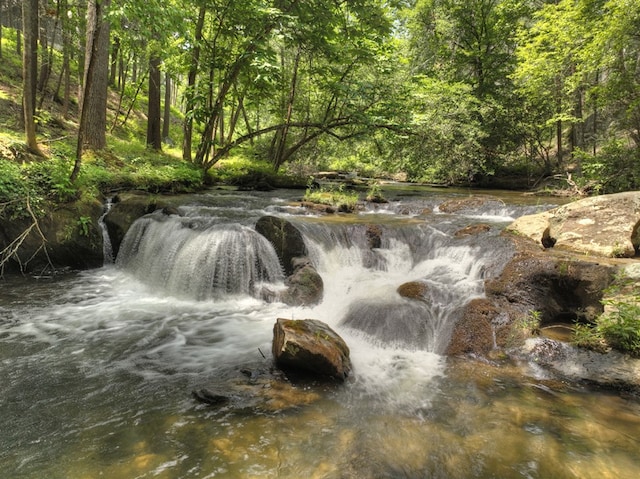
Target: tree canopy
{"points": [[438, 90]]}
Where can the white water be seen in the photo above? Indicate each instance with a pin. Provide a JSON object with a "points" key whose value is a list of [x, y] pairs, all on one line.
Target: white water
{"points": [[97, 368]]}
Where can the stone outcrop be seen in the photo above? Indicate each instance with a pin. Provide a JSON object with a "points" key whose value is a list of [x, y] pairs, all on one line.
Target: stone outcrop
{"points": [[285, 238], [304, 285], [312, 347], [556, 286], [68, 237], [559, 271], [606, 225]]}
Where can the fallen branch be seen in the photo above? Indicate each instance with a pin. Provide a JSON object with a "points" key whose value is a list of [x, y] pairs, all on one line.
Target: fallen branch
{"points": [[11, 250]]}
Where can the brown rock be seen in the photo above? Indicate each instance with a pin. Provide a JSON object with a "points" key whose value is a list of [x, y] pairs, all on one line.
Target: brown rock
{"points": [[305, 285], [559, 287], [470, 202], [285, 238], [473, 333], [472, 230], [311, 346], [413, 290]]}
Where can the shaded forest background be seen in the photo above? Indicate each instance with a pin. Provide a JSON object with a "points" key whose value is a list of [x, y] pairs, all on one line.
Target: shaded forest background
{"points": [[174, 94]]}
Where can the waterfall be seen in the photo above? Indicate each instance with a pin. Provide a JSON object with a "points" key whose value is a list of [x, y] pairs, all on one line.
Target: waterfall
{"points": [[196, 259], [361, 281], [362, 266], [107, 248]]}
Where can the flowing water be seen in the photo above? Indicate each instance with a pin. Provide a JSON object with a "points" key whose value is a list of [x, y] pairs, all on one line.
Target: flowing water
{"points": [[97, 367]]}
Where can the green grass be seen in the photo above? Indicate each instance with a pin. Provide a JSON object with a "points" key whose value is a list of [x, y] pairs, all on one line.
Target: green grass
{"points": [[338, 198]]}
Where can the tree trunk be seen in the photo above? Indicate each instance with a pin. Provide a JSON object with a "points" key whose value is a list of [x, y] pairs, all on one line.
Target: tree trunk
{"points": [[66, 64], [166, 121], [1, 20], [115, 52], [93, 111], [154, 137], [191, 83], [18, 41], [279, 156], [29, 71]]}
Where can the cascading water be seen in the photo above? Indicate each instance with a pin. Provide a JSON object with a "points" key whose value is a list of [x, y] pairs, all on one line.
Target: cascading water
{"points": [[107, 248], [97, 367], [196, 259], [193, 258], [361, 279]]}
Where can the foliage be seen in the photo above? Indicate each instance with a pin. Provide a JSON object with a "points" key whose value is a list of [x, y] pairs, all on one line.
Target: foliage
{"points": [[616, 167], [587, 337], [445, 146], [531, 322], [13, 191], [444, 91], [621, 327], [233, 170], [334, 196], [52, 178]]}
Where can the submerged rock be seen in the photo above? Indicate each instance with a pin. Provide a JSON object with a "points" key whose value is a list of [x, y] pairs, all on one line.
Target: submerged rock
{"points": [[310, 346], [305, 286], [262, 389], [209, 397], [127, 207]]}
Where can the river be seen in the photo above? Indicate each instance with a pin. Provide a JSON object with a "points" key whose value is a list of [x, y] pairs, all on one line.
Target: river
{"points": [[97, 368]]}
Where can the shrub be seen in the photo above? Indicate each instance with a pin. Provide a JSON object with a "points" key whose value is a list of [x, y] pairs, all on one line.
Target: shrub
{"points": [[621, 327]]}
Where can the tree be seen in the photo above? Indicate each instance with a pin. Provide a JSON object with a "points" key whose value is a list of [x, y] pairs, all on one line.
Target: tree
{"points": [[93, 112], [154, 136], [194, 65], [29, 71], [472, 42], [279, 70]]}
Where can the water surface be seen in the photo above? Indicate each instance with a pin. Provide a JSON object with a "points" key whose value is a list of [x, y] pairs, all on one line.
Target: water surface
{"points": [[97, 367]]}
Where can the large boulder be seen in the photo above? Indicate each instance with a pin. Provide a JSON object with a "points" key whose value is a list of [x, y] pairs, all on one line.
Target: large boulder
{"points": [[606, 225], [310, 346], [558, 288], [285, 238], [554, 287]]}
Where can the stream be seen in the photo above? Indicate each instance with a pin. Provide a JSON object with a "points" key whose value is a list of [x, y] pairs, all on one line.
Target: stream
{"points": [[97, 368]]}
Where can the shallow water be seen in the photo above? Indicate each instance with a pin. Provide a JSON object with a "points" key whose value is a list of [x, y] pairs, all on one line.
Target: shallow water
{"points": [[97, 370]]}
